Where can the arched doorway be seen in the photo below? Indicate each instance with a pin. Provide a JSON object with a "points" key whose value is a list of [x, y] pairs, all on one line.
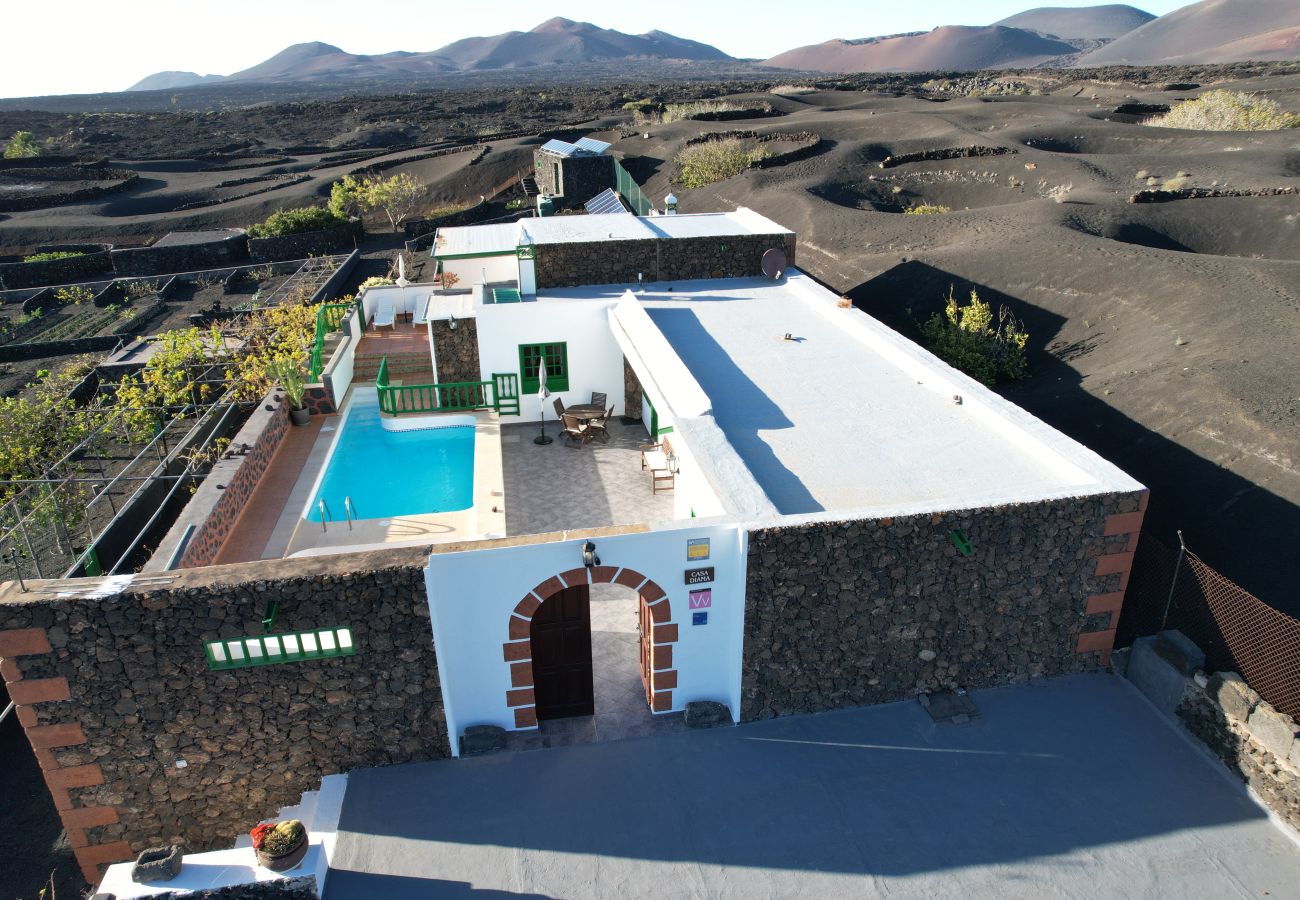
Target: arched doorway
{"points": [[561, 626]]}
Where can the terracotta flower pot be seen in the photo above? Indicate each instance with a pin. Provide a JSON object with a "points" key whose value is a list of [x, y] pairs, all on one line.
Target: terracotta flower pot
{"points": [[285, 861]]}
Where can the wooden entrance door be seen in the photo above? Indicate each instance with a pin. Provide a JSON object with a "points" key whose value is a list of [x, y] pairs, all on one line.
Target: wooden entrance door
{"points": [[561, 643], [646, 627]]}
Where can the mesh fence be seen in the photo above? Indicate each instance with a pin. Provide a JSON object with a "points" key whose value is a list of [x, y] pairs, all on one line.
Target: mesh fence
{"points": [[1173, 588]]}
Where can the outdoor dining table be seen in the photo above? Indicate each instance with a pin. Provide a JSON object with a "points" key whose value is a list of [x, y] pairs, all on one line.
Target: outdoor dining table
{"points": [[585, 412]]}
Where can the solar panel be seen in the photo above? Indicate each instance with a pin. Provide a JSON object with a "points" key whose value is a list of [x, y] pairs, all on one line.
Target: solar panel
{"points": [[560, 148], [607, 201], [591, 145]]}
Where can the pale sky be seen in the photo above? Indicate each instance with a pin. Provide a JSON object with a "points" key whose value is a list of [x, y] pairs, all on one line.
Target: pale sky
{"points": [[77, 46]]}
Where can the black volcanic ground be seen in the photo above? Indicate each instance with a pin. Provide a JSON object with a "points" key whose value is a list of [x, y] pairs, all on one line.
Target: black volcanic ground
{"points": [[1164, 336]]}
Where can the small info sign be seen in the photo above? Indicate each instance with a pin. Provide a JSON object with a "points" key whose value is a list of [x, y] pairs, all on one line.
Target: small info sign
{"points": [[699, 576], [697, 548], [702, 599]]}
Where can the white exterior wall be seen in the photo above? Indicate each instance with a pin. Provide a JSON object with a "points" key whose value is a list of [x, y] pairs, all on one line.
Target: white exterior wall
{"points": [[338, 374], [472, 594], [595, 361], [470, 270]]}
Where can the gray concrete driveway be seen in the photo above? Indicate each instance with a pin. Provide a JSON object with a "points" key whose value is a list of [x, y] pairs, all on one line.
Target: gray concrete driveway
{"points": [[1072, 788]]}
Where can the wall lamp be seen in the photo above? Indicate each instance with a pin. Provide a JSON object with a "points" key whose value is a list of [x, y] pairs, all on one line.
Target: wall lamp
{"points": [[451, 322], [589, 557]]}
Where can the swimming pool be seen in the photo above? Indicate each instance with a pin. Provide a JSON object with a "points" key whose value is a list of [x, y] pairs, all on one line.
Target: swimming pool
{"points": [[394, 473]]}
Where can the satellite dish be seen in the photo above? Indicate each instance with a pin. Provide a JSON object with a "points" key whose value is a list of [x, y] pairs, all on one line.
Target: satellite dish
{"points": [[774, 264]]}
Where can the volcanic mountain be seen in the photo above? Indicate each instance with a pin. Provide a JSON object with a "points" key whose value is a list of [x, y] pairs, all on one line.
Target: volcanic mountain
{"points": [[1209, 32], [951, 47], [556, 41], [1097, 23]]}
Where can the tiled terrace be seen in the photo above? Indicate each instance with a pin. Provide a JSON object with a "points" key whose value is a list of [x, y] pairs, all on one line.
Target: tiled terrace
{"points": [[555, 487]]}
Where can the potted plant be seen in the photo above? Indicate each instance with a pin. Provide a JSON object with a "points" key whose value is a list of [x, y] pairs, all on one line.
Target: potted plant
{"points": [[289, 377], [279, 845]]}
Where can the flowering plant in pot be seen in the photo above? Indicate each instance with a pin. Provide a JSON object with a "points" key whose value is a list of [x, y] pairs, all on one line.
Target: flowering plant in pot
{"points": [[279, 845], [289, 376]]}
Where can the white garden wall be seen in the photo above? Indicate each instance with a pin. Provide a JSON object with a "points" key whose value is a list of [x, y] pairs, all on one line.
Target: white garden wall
{"points": [[473, 593]]}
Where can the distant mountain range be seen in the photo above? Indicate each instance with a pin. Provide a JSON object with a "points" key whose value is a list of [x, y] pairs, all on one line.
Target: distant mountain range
{"points": [[1213, 31], [554, 42], [1206, 32]]}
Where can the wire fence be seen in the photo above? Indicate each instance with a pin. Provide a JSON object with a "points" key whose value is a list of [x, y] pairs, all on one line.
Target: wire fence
{"points": [[1174, 588]]}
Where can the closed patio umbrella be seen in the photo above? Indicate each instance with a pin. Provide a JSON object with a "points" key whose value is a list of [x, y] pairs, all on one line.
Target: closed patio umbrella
{"points": [[542, 393]]}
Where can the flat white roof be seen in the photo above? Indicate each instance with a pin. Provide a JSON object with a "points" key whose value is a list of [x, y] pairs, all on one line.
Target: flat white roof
{"points": [[849, 415], [476, 240], [486, 240]]}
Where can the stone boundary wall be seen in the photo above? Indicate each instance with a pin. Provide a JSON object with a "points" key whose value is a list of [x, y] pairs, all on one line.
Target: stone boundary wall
{"points": [[1258, 743], [417, 228], [326, 242], [263, 432], [300, 888], [107, 181], [95, 260], [850, 613], [281, 181], [138, 261], [40, 349], [675, 259], [890, 162], [113, 690], [1162, 196]]}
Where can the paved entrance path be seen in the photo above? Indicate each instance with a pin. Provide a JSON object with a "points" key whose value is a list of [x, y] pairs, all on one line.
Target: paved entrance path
{"points": [[1073, 788]]}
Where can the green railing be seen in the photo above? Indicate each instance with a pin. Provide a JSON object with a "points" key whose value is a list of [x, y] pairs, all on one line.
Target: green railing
{"points": [[329, 318], [626, 185], [500, 394]]}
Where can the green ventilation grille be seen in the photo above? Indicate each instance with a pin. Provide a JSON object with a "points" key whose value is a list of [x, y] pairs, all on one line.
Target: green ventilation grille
{"points": [[269, 649]]}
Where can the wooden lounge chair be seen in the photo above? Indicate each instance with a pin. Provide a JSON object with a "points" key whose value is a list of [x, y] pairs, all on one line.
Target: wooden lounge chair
{"points": [[573, 430], [598, 429], [598, 399]]}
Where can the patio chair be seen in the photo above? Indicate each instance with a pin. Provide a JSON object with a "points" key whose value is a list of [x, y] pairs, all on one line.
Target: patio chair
{"points": [[384, 315], [574, 430], [598, 399], [559, 408], [598, 429]]}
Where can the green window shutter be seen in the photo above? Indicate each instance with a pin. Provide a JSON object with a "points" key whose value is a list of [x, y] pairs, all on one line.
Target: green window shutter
{"points": [[557, 366]]}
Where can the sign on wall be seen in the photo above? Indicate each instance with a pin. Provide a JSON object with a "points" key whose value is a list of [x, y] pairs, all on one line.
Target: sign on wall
{"points": [[697, 548], [702, 599], [700, 618], [699, 576]]}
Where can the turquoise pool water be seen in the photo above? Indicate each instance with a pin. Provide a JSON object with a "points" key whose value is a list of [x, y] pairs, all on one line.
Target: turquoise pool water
{"points": [[395, 473]]}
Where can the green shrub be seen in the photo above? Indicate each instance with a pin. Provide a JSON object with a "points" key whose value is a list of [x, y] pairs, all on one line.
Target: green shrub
{"points": [[22, 146], [713, 161], [926, 209], [52, 254], [966, 338], [295, 221], [74, 294], [516, 203], [673, 112], [1227, 111], [376, 281]]}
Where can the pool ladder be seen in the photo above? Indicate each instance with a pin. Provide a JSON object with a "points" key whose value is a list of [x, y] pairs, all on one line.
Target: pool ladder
{"points": [[325, 518]]}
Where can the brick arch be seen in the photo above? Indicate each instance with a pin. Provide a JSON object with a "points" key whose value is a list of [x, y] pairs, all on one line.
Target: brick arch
{"points": [[518, 647]]}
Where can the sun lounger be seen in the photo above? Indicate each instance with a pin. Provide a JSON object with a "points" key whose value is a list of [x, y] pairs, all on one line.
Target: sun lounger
{"points": [[384, 315]]}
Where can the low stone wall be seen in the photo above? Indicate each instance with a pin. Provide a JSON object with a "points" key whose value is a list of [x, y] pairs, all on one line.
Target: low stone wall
{"points": [[142, 744], [302, 888], [890, 162], [1250, 736], [94, 260], [680, 259], [843, 614], [417, 228], [1257, 742], [161, 260], [457, 351], [103, 180], [340, 239], [263, 432], [41, 349], [632, 392]]}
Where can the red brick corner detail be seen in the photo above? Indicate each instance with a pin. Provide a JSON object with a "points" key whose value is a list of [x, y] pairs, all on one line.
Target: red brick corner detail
{"points": [[1120, 563], [517, 651], [28, 695]]}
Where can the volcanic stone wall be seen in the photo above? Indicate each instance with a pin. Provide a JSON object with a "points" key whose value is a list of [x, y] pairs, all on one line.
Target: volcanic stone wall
{"points": [[264, 431], [668, 259], [581, 177], [94, 260], [159, 260], [142, 744], [457, 350], [632, 391], [843, 614], [340, 239]]}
